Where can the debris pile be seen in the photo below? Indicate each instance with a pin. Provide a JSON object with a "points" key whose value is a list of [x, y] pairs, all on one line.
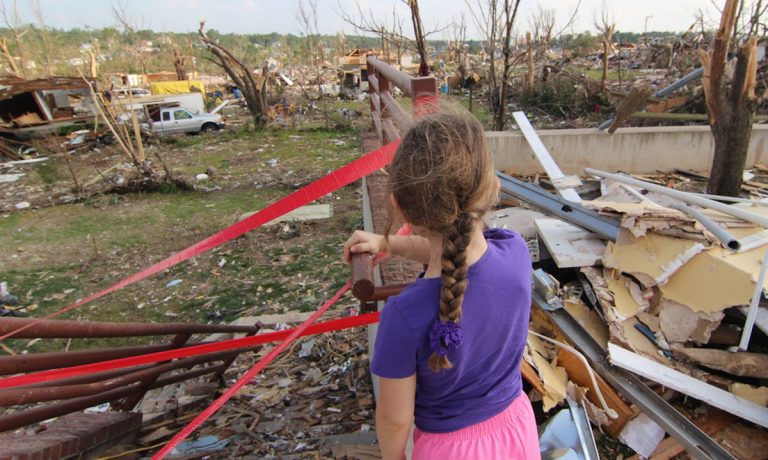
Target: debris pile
{"points": [[667, 300], [319, 389]]}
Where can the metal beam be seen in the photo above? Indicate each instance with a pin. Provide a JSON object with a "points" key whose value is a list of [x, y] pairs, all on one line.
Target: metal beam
{"points": [[574, 213], [695, 441]]}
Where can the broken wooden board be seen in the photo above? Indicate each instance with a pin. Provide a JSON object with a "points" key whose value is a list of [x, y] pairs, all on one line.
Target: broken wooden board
{"points": [[739, 363], [577, 373], [530, 376], [688, 385], [745, 442], [666, 105], [569, 245], [636, 99], [304, 213]]}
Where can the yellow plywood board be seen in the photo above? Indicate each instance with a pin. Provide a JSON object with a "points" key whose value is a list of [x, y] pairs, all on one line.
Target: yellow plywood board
{"points": [[758, 395], [716, 279], [625, 304], [589, 320], [652, 254], [552, 376]]}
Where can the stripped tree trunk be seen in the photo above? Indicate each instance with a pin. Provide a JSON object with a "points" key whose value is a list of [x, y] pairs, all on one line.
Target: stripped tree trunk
{"points": [[421, 42], [509, 14], [179, 62], [731, 104], [9, 58]]}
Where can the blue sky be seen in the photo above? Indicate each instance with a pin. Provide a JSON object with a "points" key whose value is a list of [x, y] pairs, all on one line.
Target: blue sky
{"points": [[264, 16]]}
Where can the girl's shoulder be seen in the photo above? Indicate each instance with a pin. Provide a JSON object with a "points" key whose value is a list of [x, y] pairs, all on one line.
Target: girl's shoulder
{"points": [[504, 239]]}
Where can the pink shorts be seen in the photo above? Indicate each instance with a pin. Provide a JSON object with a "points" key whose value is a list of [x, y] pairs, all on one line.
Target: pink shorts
{"points": [[511, 434]]}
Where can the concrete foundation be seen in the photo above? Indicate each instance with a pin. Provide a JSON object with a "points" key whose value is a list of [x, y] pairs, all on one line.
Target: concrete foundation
{"points": [[635, 150]]}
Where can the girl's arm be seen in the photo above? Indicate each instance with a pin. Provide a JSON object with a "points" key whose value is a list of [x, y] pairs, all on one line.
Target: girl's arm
{"points": [[411, 247], [394, 415]]}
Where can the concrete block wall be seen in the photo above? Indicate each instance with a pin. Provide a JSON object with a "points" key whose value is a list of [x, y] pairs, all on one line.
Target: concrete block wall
{"points": [[636, 150], [71, 436]]}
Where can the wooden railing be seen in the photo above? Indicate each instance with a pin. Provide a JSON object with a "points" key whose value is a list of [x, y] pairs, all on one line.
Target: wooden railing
{"points": [[389, 118]]}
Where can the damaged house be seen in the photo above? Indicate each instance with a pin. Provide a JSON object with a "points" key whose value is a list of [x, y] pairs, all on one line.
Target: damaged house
{"points": [[32, 108]]}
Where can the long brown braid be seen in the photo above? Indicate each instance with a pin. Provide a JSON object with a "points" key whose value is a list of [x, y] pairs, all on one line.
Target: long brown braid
{"points": [[442, 179]]}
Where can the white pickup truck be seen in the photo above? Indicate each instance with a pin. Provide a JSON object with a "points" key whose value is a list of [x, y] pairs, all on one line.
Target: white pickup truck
{"points": [[172, 120]]}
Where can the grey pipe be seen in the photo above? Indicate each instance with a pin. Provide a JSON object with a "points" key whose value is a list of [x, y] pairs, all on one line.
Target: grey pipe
{"points": [[684, 196], [725, 237]]}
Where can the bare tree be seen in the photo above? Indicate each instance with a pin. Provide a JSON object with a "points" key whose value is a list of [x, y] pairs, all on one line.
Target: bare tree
{"points": [[730, 95], [496, 19], [542, 25], [390, 34], [456, 36], [254, 88], [606, 27], [306, 15], [121, 15], [14, 24], [42, 30], [485, 15]]}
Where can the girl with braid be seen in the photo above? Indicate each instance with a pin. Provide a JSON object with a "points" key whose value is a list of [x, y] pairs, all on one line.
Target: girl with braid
{"points": [[449, 346]]}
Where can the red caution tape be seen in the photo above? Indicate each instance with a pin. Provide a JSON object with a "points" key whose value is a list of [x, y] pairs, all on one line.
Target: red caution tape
{"points": [[321, 187], [194, 350], [203, 416]]}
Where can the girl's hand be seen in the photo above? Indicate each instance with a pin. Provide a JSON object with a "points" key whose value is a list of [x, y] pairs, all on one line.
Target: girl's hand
{"points": [[361, 241]]}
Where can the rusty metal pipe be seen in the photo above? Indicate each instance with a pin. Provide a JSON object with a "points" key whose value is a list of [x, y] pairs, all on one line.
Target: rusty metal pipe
{"points": [[384, 292], [362, 275], [89, 378], [17, 364], [14, 396], [58, 329], [363, 286], [44, 412]]}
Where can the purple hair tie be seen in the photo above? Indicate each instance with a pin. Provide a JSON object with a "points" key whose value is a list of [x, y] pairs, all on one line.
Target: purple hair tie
{"points": [[445, 337]]}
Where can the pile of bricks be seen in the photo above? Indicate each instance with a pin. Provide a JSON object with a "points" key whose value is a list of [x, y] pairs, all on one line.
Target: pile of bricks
{"points": [[71, 436]]}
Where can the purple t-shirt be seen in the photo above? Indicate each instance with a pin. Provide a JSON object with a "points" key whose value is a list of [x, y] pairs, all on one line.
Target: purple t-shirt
{"points": [[485, 376]]}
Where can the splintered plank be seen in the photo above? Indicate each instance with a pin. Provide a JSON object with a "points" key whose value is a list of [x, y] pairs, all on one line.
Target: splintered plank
{"points": [[578, 374], [634, 100], [688, 385]]}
